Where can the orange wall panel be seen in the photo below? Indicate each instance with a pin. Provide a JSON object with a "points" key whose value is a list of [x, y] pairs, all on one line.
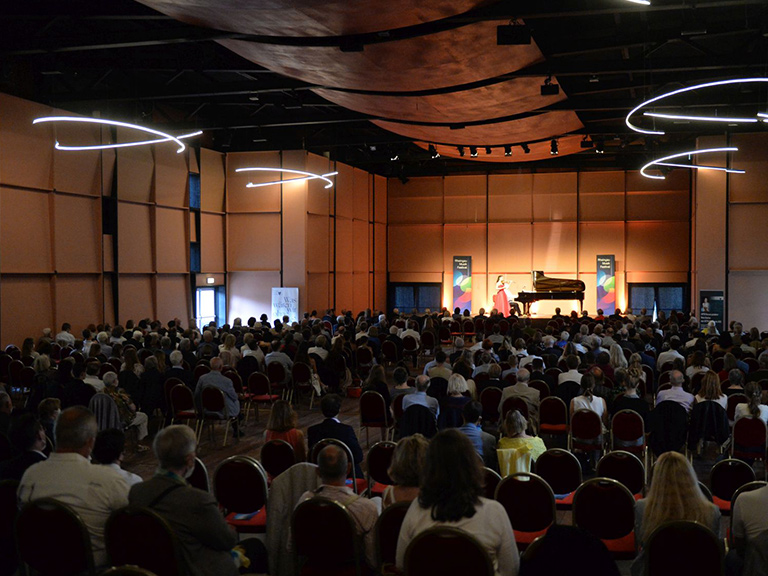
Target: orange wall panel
{"points": [[80, 171], [510, 198], [26, 307], [360, 246], [79, 301], [752, 186], [658, 205], [345, 292], [25, 231], [345, 191], [26, 150], [212, 180], [135, 238], [253, 242], [173, 297], [77, 230], [250, 294], [554, 247], [746, 292], [380, 248], [171, 175], [360, 203], [380, 199], [415, 248], [748, 236], [318, 291], [419, 201], [345, 250], [240, 198], [211, 243], [657, 247], [361, 287], [136, 298], [135, 172], [318, 245], [465, 199], [172, 246], [509, 247]]}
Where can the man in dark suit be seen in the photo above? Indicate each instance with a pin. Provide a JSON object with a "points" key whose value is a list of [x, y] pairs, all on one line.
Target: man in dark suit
{"points": [[205, 538], [537, 373], [331, 427], [27, 436]]}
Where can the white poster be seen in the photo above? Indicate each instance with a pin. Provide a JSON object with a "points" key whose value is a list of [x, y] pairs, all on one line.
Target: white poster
{"points": [[285, 302]]}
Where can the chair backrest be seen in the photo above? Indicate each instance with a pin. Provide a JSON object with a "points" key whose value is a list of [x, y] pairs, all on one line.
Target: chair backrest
{"points": [[168, 385], [627, 426], [624, 467], [492, 479], [604, 507], [553, 411], [397, 406], [418, 419], [468, 326], [258, 384], [324, 535], [389, 350], [240, 485], [237, 382], [749, 433], [733, 401], [213, 400], [199, 478], [410, 344], [667, 427], [200, 370], [428, 340], [448, 552], [127, 571], [277, 456], [276, 372], [514, 403], [141, 537], [490, 398], [729, 475], [363, 356], [14, 372], [301, 373], [664, 545], [748, 487], [586, 425], [560, 469], [388, 531], [182, 399], [67, 543], [373, 409], [541, 386], [378, 461], [350, 458], [528, 500]]}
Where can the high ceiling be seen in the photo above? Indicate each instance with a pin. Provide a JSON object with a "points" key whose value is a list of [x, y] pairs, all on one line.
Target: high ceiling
{"points": [[366, 81]]}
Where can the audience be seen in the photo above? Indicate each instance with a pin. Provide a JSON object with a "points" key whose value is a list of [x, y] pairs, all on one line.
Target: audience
{"points": [[405, 470], [710, 390], [331, 427], [676, 393], [753, 407], [420, 397], [516, 450], [109, 450], [282, 426]]}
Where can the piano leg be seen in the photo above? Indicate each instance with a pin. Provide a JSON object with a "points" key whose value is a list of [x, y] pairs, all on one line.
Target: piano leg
{"points": [[515, 307]]}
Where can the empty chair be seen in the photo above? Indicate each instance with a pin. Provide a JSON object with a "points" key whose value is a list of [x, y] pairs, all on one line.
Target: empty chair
{"points": [[215, 410], [182, 403], [606, 508], [626, 468], [301, 375], [240, 487], [141, 537], [259, 392], [492, 480], [490, 399], [749, 439], [553, 416], [541, 386], [378, 460], [277, 377], [725, 478], [530, 505], [562, 471], [628, 432], [374, 413], [703, 552], [586, 433]]}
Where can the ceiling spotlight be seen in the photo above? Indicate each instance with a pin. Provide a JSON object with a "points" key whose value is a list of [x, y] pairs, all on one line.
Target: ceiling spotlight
{"points": [[488, 150], [525, 148], [549, 89], [507, 150], [395, 157], [433, 152], [513, 34], [594, 79], [586, 142], [553, 147], [461, 150], [473, 151]]}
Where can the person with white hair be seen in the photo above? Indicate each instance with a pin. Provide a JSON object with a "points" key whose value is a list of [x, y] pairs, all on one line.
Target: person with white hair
{"points": [[711, 329], [103, 339], [129, 416]]}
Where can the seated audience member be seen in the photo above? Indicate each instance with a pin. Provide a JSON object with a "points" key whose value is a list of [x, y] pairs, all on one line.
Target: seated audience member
{"points": [[458, 350], [531, 396], [710, 390], [331, 427], [484, 443], [204, 537], [76, 392], [587, 400], [451, 406], [516, 450], [440, 368], [6, 409], [671, 354], [94, 492], [27, 437], [750, 523], [377, 382], [151, 386], [451, 495], [735, 382], [572, 374], [129, 416], [406, 470], [753, 407], [630, 399], [674, 495], [282, 426], [48, 411], [420, 396], [332, 470], [109, 450], [216, 379], [697, 363], [277, 356], [177, 370], [400, 376], [92, 376], [676, 393]]}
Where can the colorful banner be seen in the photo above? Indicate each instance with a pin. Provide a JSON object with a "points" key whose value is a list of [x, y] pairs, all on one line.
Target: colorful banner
{"points": [[606, 284], [711, 307], [462, 282]]}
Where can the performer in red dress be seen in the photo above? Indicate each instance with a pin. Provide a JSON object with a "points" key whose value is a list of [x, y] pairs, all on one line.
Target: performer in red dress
{"points": [[501, 300]]}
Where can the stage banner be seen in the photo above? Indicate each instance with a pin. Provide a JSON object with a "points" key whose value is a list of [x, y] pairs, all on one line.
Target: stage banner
{"points": [[462, 282], [711, 307], [285, 302], [606, 284]]}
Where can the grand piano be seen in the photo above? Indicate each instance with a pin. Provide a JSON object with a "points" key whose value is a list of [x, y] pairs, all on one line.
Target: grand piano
{"points": [[545, 288]]}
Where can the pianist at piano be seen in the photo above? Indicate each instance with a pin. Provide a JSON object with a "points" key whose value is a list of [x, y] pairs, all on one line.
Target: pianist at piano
{"points": [[545, 288]]}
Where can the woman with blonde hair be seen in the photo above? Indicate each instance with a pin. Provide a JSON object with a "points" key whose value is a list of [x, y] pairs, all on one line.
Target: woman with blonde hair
{"points": [[516, 450], [229, 346], [451, 406], [674, 495], [710, 390], [618, 360], [405, 470]]}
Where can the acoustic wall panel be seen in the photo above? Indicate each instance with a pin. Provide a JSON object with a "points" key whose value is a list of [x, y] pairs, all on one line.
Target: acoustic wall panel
{"points": [[135, 237], [136, 297], [212, 243], [657, 247], [79, 172], [240, 198], [77, 233], [416, 249], [253, 242], [318, 245], [32, 294], [510, 198], [510, 247], [753, 185], [79, 300], [135, 171], [212, 180], [173, 297], [171, 175], [26, 150], [465, 199], [25, 231], [554, 247], [420, 201], [172, 245], [601, 196], [748, 237]]}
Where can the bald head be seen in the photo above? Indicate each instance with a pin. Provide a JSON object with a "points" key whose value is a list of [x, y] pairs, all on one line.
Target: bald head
{"points": [[676, 378], [76, 431], [332, 465], [216, 364]]}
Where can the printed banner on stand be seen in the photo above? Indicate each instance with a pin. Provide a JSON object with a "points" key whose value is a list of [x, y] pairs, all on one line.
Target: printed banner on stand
{"points": [[462, 282], [285, 302], [606, 284], [711, 307]]}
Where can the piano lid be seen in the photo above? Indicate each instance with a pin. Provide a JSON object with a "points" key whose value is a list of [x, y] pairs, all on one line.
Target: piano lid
{"points": [[542, 283]]}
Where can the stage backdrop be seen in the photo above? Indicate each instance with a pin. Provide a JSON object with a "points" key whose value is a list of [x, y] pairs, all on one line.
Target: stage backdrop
{"points": [[462, 282], [606, 283]]}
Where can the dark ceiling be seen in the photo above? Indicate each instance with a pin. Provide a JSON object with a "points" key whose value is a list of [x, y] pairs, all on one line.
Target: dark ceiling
{"points": [[127, 61]]}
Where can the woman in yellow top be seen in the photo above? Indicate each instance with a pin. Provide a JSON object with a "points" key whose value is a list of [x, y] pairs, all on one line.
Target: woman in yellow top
{"points": [[516, 450]]}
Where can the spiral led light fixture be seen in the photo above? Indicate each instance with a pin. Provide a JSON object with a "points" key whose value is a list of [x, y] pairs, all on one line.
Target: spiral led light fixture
{"points": [[302, 176], [664, 162]]}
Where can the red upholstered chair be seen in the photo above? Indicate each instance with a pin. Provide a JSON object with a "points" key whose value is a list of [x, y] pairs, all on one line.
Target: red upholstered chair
{"points": [[378, 460], [553, 416], [667, 366], [411, 348], [733, 401], [562, 471], [725, 478], [455, 328], [717, 364], [65, 537], [448, 552], [259, 392], [389, 351], [27, 378], [663, 547], [753, 364], [541, 386], [14, 373], [168, 385], [276, 457], [325, 540], [490, 398], [468, 327], [141, 537], [492, 480], [628, 433], [387, 532], [514, 403], [302, 381], [648, 376], [444, 334], [511, 378], [626, 468], [397, 405], [374, 414], [696, 382], [144, 353], [182, 405], [104, 368], [200, 370], [240, 487], [606, 508], [586, 431], [503, 327], [359, 485], [214, 409], [553, 373], [276, 375], [530, 505], [427, 343]]}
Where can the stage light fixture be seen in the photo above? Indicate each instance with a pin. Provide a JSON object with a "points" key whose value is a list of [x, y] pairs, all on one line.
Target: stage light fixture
{"points": [[461, 150], [549, 89], [507, 150], [664, 162], [164, 137], [525, 148], [473, 151], [553, 147], [303, 175], [433, 152], [645, 104], [513, 34], [488, 150]]}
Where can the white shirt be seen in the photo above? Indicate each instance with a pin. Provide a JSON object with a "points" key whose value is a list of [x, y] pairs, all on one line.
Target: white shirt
{"points": [[742, 410], [722, 400], [257, 353], [65, 337], [527, 359], [319, 350], [95, 382], [571, 375], [94, 492], [410, 332], [668, 356], [130, 477]]}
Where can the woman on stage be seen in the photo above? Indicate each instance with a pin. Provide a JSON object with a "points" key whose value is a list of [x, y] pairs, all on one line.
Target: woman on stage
{"points": [[502, 298]]}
